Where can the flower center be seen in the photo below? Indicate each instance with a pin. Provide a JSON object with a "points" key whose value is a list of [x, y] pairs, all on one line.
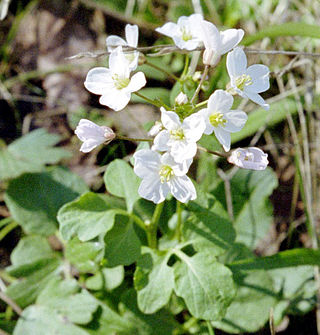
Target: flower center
{"points": [[120, 82], [242, 81], [177, 134], [249, 157], [217, 119], [186, 35], [165, 173]]}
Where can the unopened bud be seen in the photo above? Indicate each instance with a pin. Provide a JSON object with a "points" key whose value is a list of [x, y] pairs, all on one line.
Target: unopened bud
{"points": [[210, 57], [181, 99], [250, 158], [156, 128]]}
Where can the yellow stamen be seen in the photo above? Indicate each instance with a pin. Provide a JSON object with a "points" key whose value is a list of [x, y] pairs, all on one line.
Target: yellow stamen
{"points": [[217, 119], [186, 35], [177, 134], [166, 173], [242, 81], [119, 82]]}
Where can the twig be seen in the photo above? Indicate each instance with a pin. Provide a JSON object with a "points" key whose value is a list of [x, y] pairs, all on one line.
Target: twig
{"points": [[227, 187], [220, 154], [170, 48], [204, 75], [133, 139], [271, 322], [11, 303]]}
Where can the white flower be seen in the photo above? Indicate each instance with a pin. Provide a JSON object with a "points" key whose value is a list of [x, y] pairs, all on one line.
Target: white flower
{"points": [[132, 34], [114, 84], [251, 158], [218, 43], [247, 82], [181, 99], [156, 128], [179, 138], [161, 175], [4, 6], [93, 135], [185, 33], [220, 119]]}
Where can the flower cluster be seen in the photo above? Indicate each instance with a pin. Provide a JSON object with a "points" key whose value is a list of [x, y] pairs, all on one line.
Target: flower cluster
{"points": [[163, 168]]}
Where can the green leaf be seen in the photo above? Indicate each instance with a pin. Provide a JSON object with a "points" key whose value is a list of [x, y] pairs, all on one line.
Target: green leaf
{"points": [[160, 323], [122, 182], [205, 285], [259, 118], [249, 311], [122, 245], [283, 259], [108, 278], [58, 306], [153, 280], [285, 29], [87, 217], [159, 94], [33, 260], [83, 255], [34, 199], [24, 291], [209, 228], [29, 255], [252, 208], [296, 289], [30, 153]]}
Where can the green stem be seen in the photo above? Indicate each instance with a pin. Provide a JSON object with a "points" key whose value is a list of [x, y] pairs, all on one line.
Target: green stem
{"points": [[220, 154], [179, 221], [7, 229], [200, 104], [170, 75], [134, 217], [120, 137], [186, 66], [152, 102], [210, 329], [153, 226], [204, 74]]}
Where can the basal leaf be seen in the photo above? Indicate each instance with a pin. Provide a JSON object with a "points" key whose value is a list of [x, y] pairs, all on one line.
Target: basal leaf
{"points": [[30, 153], [205, 285], [35, 198], [122, 245], [153, 280], [122, 182], [86, 217]]}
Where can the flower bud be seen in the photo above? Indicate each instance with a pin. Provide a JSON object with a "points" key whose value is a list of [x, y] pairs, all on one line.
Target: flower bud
{"points": [[93, 135], [156, 128], [181, 99], [210, 57], [250, 158]]}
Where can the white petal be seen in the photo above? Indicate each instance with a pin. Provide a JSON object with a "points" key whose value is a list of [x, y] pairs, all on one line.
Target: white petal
{"points": [[255, 97], [146, 162], [169, 119], [210, 36], [132, 34], [152, 189], [133, 63], [236, 119], [182, 150], [137, 81], [223, 137], [160, 142], [182, 189], [251, 158], [187, 45], [169, 29], [220, 101], [115, 99], [90, 144], [194, 25], [118, 63], [99, 80], [87, 129], [236, 62], [230, 38], [114, 41], [260, 78], [194, 126]]}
